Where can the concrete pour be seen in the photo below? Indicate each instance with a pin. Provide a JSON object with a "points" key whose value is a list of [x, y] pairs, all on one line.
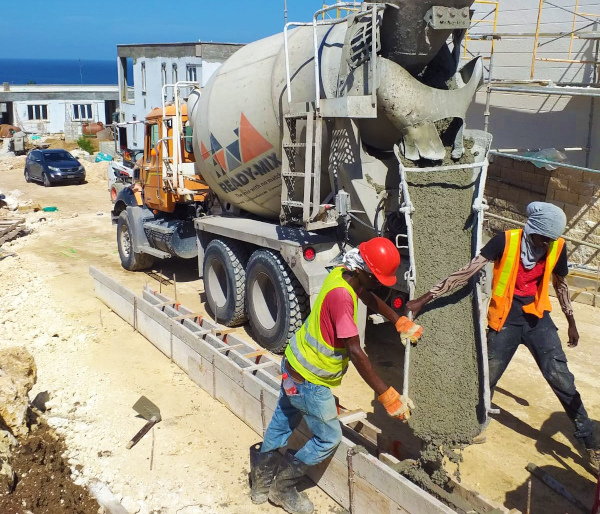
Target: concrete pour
{"points": [[444, 375]]}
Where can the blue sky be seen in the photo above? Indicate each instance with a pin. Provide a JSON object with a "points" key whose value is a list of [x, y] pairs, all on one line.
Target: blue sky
{"points": [[75, 29]]}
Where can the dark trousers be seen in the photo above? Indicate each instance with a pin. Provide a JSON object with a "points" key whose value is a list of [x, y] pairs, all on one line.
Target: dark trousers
{"points": [[544, 344]]}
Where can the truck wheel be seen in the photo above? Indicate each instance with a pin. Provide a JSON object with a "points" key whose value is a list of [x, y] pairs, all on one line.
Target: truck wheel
{"points": [[130, 260], [277, 303], [224, 281]]}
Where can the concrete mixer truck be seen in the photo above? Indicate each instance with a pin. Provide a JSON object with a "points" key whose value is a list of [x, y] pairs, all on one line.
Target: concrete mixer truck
{"points": [[293, 153]]}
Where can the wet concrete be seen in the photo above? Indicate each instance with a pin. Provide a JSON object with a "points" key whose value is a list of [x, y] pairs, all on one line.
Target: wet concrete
{"points": [[444, 376]]}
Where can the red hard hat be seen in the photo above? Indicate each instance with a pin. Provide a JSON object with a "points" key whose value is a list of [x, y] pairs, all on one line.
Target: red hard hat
{"points": [[382, 257]]}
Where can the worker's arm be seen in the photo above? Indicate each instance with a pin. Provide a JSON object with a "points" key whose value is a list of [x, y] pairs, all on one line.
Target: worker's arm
{"points": [[363, 365], [376, 304], [457, 279], [396, 406], [562, 293], [406, 328]]}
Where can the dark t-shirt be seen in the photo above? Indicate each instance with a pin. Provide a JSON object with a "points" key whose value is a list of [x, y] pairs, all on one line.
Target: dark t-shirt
{"points": [[527, 280]]}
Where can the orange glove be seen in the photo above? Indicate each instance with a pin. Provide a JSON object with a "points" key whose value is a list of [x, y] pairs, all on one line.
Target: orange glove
{"points": [[396, 408], [409, 330]]}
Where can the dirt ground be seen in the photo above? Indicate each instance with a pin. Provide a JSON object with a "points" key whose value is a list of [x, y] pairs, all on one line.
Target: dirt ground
{"points": [[45, 485], [95, 367]]}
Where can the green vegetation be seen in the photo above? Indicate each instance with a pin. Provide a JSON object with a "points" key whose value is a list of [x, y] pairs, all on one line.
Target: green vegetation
{"points": [[85, 144]]}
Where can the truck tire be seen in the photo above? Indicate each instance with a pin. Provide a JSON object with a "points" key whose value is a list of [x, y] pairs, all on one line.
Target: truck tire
{"points": [[130, 260], [277, 303], [224, 281]]}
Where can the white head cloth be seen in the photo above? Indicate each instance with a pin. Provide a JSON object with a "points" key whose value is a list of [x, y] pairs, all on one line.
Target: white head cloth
{"points": [[353, 260]]}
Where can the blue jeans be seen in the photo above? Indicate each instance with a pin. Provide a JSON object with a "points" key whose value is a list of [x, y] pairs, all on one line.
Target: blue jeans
{"points": [[317, 405], [544, 344]]}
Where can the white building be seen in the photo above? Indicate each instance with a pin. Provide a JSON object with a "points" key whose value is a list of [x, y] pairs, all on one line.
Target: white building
{"points": [[155, 65], [532, 119], [53, 109]]}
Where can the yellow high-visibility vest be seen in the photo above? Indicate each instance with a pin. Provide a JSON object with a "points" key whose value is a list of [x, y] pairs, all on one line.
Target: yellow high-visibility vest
{"points": [[308, 353], [505, 278]]}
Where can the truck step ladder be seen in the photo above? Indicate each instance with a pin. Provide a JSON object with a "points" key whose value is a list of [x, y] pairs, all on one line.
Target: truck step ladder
{"points": [[301, 189]]}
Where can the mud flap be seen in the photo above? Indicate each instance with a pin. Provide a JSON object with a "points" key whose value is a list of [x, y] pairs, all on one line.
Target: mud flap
{"points": [[136, 217]]}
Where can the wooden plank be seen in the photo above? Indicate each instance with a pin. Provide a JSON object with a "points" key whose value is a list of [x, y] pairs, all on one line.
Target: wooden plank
{"points": [[261, 366], [228, 347], [352, 416], [187, 316], [257, 353], [398, 488]]}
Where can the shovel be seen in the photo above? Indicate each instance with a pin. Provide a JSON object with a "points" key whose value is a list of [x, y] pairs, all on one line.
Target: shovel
{"points": [[149, 412]]}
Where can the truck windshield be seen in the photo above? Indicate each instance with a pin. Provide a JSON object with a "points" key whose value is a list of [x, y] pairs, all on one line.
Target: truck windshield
{"points": [[58, 156]]}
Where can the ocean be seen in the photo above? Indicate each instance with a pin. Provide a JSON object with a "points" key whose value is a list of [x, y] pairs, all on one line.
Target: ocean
{"points": [[55, 71]]}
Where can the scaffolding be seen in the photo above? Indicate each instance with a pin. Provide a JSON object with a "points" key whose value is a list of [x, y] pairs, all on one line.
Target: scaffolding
{"points": [[535, 86], [587, 279]]}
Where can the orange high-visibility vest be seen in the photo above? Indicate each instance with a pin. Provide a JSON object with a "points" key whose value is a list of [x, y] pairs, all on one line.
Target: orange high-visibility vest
{"points": [[505, 278]]}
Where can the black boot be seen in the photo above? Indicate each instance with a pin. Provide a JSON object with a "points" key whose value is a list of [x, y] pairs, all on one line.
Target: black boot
{"points": [[263, 467], [283, 489]]}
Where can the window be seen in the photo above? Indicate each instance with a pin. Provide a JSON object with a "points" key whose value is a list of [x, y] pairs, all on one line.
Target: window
{"points": [[60, 155], [174, 73], [126, 78], [143, 78], [37, 112], [151, 138], [192, 73], [188, 139], [82, 112], [163, 73]]}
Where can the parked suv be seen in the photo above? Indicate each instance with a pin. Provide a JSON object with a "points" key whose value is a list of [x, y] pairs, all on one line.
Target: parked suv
{"points": [[53, 166]]}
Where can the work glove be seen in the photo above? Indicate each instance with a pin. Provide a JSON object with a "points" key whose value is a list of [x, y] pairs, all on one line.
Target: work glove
{"points": [[408, 330], [396, 406]]}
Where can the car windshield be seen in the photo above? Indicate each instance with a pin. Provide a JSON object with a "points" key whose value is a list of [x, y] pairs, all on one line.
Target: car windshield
{"points": [[58, 156]]}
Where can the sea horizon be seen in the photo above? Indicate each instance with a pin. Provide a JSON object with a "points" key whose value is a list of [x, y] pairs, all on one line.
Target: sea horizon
{"points": [[58, 71]]}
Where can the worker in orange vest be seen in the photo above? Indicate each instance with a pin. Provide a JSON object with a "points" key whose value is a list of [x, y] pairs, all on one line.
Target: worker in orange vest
{"points": [[519, 312]]}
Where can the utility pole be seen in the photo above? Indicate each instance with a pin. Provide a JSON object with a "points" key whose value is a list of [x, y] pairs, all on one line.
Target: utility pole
{"points": [[285, 12]]}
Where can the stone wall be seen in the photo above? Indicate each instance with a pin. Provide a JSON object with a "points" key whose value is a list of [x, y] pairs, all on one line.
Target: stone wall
{"points": [[513, 184]]}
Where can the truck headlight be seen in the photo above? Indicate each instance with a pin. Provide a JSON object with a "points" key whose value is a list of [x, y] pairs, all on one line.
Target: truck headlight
{"points": [[54, 170]]}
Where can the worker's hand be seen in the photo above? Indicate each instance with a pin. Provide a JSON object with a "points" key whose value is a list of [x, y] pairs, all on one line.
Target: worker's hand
{"points": [[573, 336], [408, 330], [395, 407], [417, 304]]}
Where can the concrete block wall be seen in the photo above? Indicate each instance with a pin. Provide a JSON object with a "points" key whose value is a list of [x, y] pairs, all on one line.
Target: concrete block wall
{"points": [[513, 184], [72, 130]]}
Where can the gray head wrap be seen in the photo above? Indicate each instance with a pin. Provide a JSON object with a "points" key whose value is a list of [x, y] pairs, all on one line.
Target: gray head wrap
{"points": [[545, 219]]}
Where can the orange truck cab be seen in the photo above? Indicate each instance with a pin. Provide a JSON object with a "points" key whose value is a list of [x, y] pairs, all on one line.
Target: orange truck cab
{"points": [[155, 215]]}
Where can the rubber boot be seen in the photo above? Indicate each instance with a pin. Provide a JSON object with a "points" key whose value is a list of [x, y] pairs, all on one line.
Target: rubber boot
{"points": [[263, 467], [283, 491]]}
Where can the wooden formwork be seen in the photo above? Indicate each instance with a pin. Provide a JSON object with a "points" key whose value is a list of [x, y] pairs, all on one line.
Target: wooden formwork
{"points": [[247, 382]]}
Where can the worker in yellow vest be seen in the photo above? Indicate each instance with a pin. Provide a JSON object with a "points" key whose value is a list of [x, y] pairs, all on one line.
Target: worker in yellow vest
{"points": [[519, 312], [316, 359]]}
